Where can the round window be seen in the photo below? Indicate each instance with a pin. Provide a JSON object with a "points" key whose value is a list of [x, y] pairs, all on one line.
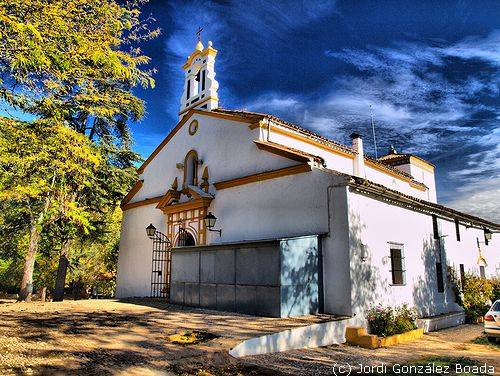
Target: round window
{"points": [[193, 127]]}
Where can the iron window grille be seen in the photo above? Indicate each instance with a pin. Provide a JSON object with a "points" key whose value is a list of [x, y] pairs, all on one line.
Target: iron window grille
{"points": [[398, 271]]}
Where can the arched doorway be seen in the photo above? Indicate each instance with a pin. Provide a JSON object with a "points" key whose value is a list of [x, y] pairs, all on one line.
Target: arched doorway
{"points": [[185, 239]]}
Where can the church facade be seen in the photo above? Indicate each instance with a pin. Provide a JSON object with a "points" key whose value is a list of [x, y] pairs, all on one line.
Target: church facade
{"points": [[306, 224]]}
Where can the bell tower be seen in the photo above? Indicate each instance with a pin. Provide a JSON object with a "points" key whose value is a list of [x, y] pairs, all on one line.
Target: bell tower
{"points": [[200, 86]]}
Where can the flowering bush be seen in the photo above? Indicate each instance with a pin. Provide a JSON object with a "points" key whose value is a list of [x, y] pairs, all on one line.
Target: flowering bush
{"points": [[477, 296], [386, 321]]}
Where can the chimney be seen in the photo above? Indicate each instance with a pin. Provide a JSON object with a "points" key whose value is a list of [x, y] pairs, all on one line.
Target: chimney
{"points": [[359, 159]]}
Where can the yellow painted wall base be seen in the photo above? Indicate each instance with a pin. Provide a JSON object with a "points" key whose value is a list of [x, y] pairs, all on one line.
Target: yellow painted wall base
{"points": [[357, 336]]}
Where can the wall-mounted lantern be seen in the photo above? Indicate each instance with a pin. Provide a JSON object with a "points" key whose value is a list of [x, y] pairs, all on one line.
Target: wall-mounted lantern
{"points": [[487, 234], [210, 220], [157, 236], [487, 237], [151, 230]]}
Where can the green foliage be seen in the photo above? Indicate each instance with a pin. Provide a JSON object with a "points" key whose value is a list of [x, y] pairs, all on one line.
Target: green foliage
{"points": [[43, 167], [94, 259], [67, 58], [72, 64], [483, 340], [456, 285], [10, 275], [495, 282], [388, 321], [82, 184], [477, 294]]}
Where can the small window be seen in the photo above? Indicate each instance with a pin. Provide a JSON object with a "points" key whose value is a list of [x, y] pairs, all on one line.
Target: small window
{"points": [[439, 277], [435, 227], [193, 127], [457, 229], [397, 265], [482, 271], [462, 276]]}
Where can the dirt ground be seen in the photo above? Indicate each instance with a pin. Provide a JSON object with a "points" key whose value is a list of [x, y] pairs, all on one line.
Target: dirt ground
{"points": [[109, 337]]}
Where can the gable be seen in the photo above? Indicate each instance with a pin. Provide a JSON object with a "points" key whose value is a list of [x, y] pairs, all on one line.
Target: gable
{"points": [[223, 144], [181, 123]]}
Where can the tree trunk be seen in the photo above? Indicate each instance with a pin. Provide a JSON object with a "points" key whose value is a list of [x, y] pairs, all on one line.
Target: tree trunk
{"points": [[43, 294], [62, 270], [29, 263]]}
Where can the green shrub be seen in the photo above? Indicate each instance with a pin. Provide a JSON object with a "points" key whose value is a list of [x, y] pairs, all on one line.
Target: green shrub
{"points": [[496, 289], [388, 321], [456, 285], [478, 293]]}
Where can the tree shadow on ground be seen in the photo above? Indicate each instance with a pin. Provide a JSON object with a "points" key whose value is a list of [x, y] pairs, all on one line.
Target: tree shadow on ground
{"points": [[65, 341]]}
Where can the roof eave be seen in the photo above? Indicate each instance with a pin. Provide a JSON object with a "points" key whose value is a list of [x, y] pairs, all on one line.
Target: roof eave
{"points": [[367, 186]]}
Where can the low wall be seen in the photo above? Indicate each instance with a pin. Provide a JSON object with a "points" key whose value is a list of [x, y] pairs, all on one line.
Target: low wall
{"points": [[432, 324], [311, 336], [277, 278]]}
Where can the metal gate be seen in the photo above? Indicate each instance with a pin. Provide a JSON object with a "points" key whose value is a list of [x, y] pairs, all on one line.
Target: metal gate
{"points": [[185, 238], [160, 271]]}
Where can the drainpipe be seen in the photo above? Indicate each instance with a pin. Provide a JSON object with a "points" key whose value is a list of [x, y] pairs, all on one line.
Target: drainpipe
{"points": [[359, 159]]}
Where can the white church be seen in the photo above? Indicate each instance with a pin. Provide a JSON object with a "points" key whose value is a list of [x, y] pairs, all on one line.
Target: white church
{"points": [[245, 212]]}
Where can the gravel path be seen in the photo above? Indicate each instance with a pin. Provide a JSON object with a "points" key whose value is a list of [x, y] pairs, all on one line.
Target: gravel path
{"points": [[109, 337], [453, 342]]}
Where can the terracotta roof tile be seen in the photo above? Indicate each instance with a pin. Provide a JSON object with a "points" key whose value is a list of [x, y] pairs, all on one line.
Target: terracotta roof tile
{"points": [[431, 206], [396, 159], [257, 116], [303, 156]]}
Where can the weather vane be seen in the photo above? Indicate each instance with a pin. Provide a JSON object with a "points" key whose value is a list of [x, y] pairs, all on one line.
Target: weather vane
{"points": [[198, 33]]}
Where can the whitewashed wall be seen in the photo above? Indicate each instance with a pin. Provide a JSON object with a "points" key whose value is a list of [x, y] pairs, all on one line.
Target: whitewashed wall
{"points": [[289, 206], [295, 205], [428, 179], [226, 147], [333, 161], [466, 252], [298, 205], [423, 176], [134, 258], [344, 164], [376, 224], [336, 256]]}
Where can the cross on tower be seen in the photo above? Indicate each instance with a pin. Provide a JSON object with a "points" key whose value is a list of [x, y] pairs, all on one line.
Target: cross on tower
{"points": [[198, 33]]}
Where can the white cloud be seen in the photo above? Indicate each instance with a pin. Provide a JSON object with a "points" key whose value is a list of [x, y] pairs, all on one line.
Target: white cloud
{"points": [[275, 19], [474, 47], [420, 108], [480, 198], [275, 103]]}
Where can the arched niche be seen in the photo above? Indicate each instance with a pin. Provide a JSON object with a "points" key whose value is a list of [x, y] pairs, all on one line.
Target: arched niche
{"points": [[191, 169]]}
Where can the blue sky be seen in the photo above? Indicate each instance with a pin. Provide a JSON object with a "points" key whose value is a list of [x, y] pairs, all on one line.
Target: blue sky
{"points": [[431, 71]]}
